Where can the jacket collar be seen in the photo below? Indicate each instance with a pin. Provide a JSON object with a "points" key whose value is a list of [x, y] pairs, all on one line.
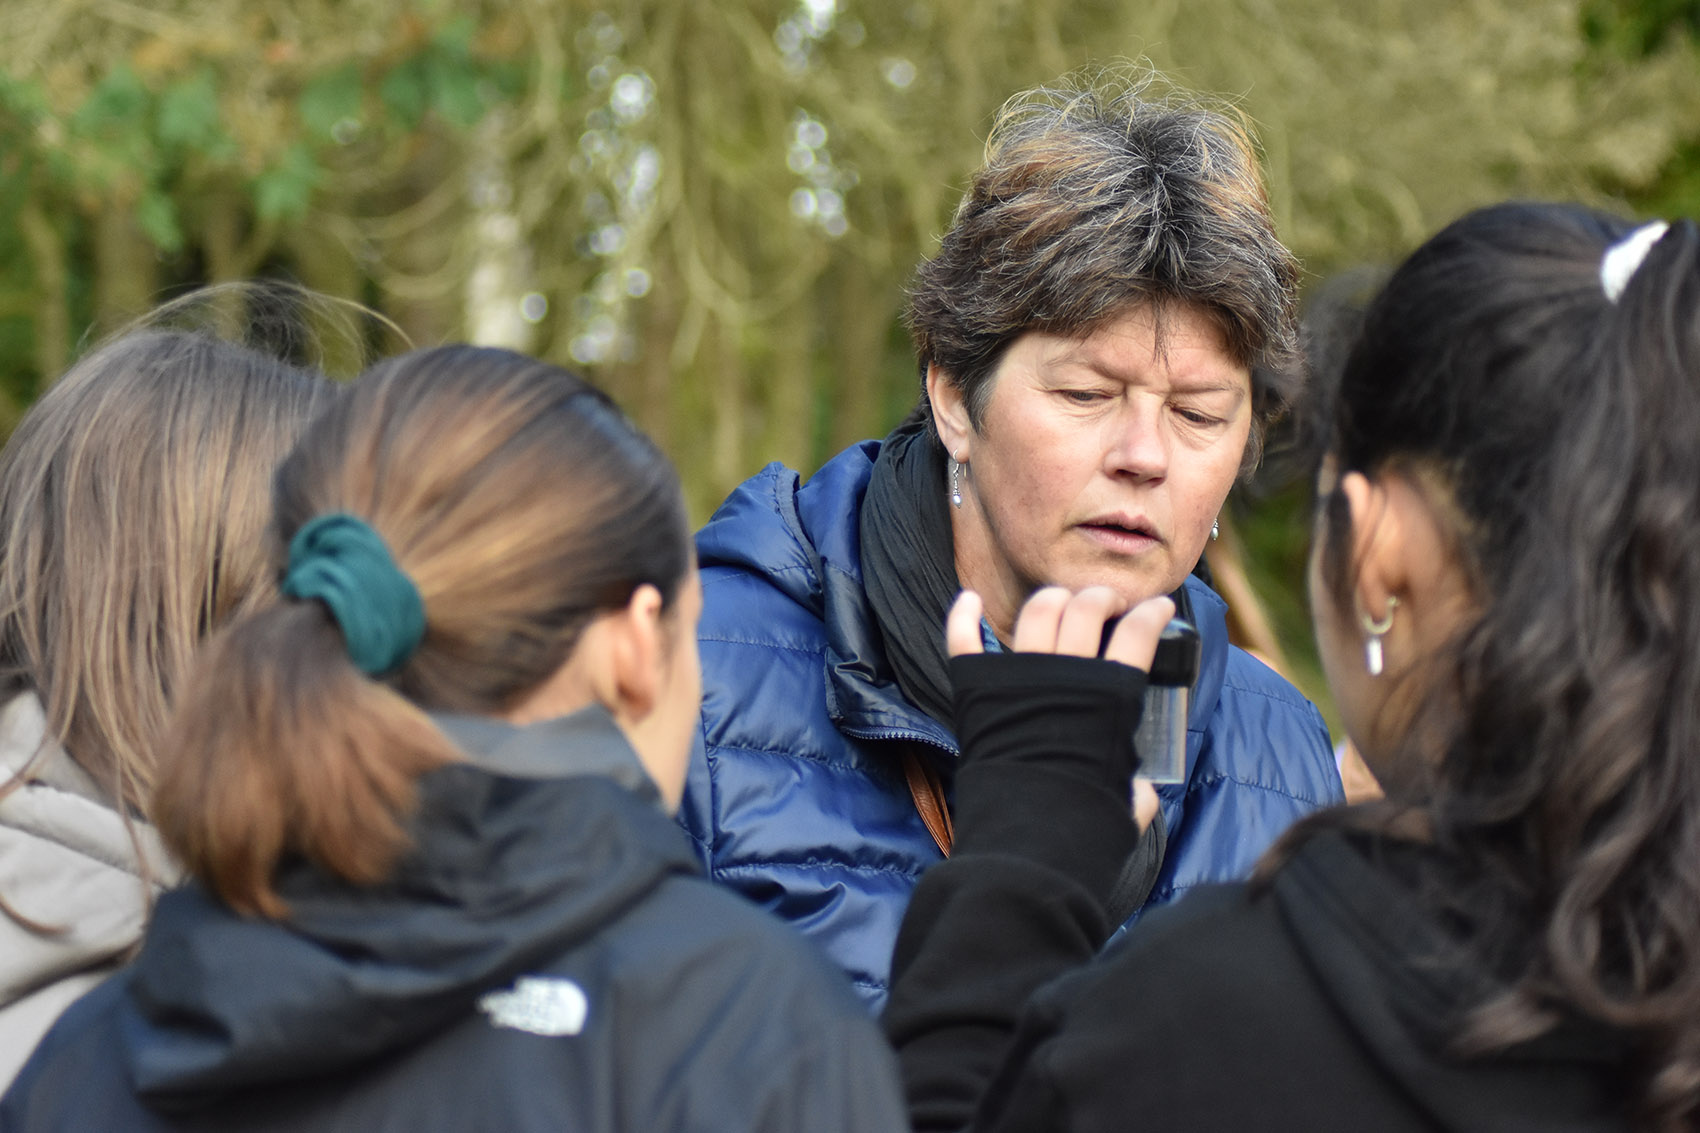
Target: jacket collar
{"points": [[1210, 618], [588, 742], [805, 541]]}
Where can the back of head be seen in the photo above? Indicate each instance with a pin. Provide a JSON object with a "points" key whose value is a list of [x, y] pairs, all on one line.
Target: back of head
{"points": [[1098, 194], [1553, 407], [133, 495], [519, 503]]}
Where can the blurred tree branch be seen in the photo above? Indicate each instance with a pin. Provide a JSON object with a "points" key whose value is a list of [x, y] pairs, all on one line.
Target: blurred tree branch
{"points": [[713, 207]]}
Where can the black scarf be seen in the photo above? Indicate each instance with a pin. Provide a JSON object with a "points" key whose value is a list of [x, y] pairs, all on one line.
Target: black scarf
{"points": [[909, 563]]}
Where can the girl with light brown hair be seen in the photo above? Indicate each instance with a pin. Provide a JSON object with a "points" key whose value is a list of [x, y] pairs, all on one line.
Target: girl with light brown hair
{"points": [[426, 798], [132, 498]]}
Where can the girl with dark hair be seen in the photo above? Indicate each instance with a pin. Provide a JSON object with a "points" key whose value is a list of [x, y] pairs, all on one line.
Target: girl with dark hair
{"points": [[425, 801], [1505, 583]]}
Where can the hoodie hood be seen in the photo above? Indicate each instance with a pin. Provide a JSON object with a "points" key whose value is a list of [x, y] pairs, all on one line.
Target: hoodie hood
{"points": [[1404, 985], [545, 835], [805, 541]]}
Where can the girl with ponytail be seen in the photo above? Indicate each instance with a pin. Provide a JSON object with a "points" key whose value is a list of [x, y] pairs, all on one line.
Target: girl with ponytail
{"points": [[426, 802]]}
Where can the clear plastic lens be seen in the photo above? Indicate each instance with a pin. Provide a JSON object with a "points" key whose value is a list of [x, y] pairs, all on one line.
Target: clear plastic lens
{"points": [[1160, 738]]}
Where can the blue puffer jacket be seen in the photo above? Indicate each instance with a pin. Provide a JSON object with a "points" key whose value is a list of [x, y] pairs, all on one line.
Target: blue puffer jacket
{"points": [[796, 795]]}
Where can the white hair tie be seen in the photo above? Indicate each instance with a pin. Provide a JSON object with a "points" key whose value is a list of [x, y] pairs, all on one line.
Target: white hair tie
{"points": [[1623, 257]]}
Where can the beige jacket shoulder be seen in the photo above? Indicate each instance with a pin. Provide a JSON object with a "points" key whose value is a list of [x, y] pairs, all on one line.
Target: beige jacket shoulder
{"points": [[67, 860]]}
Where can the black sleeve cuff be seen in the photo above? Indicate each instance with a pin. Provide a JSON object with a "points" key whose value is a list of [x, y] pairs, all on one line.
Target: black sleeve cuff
{"points": [[1048, 761]]}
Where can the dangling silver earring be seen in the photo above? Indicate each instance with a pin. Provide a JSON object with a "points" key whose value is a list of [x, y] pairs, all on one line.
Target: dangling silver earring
{"points": [[955, 483], [1215, 529], [1374, 631]]}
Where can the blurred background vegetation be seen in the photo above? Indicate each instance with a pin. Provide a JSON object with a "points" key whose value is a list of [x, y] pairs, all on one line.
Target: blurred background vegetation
{"points": [[712, 206]]}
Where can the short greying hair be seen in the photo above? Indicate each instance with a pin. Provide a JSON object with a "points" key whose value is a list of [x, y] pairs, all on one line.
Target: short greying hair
{"points": [[1097, 195]]}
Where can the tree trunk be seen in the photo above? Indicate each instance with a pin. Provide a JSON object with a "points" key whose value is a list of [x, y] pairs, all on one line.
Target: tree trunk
{"points": [[862, 371], [337, 332], [727, 462], [126, 267], [789, 436], [52, 309]]}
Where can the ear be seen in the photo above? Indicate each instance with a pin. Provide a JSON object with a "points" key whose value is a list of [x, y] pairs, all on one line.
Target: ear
{"points": [[637, 655], [1403, 549], [1377, 544], [950, 414]]}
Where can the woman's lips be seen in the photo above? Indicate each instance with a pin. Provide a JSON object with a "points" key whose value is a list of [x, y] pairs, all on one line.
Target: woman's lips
{"points": [[1122, 540]]}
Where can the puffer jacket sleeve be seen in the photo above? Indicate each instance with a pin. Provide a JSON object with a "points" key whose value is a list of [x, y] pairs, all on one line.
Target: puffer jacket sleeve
{"points": [[811, 825]]}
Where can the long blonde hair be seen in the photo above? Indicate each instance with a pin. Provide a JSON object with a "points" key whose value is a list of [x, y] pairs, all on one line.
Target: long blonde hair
{"points": [[133, 503]]}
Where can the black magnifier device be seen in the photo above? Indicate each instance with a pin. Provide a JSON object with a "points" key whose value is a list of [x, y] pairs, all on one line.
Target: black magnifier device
{"points": [[1160, 738]]}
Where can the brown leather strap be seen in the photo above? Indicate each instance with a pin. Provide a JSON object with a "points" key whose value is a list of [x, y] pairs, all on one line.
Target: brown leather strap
{"points": [[928, 792]]}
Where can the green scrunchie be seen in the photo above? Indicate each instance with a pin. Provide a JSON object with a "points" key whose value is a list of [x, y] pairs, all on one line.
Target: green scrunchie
{"points": [[342, 562]]}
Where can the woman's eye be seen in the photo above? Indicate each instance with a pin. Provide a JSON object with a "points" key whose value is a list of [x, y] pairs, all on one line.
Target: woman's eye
{"points": [[1194, 417], [1084, 396]]}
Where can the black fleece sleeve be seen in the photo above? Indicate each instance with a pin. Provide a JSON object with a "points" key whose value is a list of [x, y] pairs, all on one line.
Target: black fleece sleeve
{"points": [[1044, 823]]}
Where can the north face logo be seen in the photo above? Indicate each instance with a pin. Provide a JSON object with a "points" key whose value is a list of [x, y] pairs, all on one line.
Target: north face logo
{"points": [[539, 1005]]}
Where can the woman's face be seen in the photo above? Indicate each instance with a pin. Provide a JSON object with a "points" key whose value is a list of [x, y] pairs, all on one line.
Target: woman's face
{"points": [[1099, 461]]}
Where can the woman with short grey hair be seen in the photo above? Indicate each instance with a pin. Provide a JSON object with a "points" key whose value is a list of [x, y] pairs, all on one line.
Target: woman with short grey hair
{"points": [[1103, 337]]}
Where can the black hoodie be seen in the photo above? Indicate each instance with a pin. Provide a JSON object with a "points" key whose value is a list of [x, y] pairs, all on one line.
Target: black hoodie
{"points": [[1327, 1001], [548, 957]]}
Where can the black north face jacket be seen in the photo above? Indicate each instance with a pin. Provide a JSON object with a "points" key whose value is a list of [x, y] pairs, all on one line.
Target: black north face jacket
{"points": [[548, 958]]}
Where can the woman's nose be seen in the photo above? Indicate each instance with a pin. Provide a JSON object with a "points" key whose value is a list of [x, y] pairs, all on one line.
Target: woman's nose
{"points": [[1137, 445]]}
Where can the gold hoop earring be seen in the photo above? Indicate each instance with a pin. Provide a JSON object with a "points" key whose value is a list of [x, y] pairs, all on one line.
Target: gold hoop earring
{"points": [[1374, 631]]}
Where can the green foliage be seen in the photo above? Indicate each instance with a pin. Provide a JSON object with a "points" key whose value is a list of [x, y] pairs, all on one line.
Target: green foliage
{"points": [[453, 75], [444, 76], [115, 128], [1676, 190], [156, 215], [17, 324], [406, 92], [118, 104], [636, 169], [188, 118], [1638, 28], [285, 191], [137, 137], [331, 98], [22, 108], [22, 104]]}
